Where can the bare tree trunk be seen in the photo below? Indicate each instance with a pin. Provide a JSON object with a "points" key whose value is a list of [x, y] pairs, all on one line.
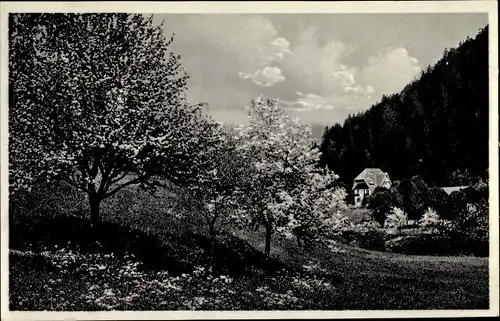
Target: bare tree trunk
{"points": [[95, 204], [267, 249], [213, 240], [298, 236]]}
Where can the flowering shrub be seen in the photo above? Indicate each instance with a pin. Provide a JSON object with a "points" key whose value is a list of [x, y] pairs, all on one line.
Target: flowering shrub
{"points": [[396, 219], [299, 290], [465, 234], [362, 227], [431, 222], [276, 300], [110, 282], [429, 219]]}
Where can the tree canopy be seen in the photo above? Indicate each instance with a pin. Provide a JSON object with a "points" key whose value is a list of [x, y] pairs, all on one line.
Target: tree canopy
{"points": [[98, 101], [288, 189]]}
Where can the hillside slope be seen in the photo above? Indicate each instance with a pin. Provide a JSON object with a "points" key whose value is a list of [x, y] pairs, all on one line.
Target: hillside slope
{"points": [[436, 126], [162, 239]]}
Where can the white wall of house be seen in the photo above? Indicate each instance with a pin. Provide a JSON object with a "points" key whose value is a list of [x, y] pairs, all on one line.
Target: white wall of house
{"points": [[360, 194]]}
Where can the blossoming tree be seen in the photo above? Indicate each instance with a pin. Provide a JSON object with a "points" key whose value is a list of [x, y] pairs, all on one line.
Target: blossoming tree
{"points": [[221, 183], [318, 207], [286, 190], [97, 101]]}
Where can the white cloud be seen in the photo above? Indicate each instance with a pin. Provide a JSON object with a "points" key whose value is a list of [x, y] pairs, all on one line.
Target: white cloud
{"points": [[265, 77], [279, 48], [390, 70], [239, 38], [277, 56], [313, 64], [275, 51], [214, 48], [282, 45], [217, 50], [347, 80], [321, 70], [309, 102]]}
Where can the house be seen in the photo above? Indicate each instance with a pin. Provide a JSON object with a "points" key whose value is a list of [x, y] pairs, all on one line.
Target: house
{"points": [[366, 182]]}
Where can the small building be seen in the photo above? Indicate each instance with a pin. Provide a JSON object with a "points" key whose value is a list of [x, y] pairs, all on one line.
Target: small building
{"points": [[366, 182], [451, 189]]}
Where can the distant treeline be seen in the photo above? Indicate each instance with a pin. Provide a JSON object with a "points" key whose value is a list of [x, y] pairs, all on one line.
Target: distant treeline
{"points": [[435, 128]]}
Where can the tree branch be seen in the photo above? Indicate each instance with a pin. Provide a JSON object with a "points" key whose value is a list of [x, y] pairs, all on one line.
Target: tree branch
{"points": [[73, 177], [70, 182], [104, 180], [84, 166], [102, 169], [119, 178], [134, 181], [215, 215], [96, 165], [114, 171]]}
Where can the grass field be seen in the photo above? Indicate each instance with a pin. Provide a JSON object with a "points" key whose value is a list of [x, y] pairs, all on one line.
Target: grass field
{"points": [[377, 280], [167, 236]]}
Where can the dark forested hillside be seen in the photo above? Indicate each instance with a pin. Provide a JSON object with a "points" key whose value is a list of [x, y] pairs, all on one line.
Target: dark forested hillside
{"points": [[436, 127]]}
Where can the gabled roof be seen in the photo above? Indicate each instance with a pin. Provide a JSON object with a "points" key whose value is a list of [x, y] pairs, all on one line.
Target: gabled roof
{"points": [[373, 177], [452, 189]]}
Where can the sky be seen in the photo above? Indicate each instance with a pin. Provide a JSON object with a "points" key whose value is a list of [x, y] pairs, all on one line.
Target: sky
{"points": [[321, 67]]}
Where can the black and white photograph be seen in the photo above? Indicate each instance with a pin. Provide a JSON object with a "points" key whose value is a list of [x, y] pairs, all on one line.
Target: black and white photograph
{"points": [[271, 159]]}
